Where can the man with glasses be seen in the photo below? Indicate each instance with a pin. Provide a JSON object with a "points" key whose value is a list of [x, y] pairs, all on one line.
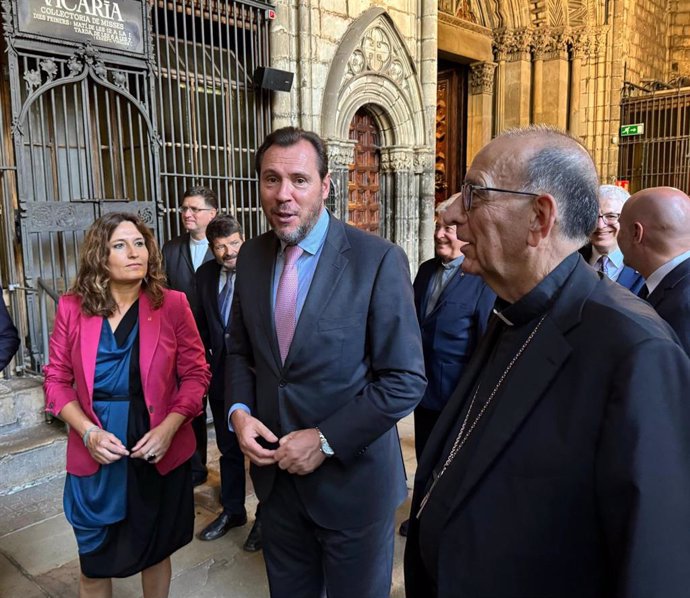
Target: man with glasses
{"points": [[182, 256], [215, 287], [602, 251], [561, 464], [655, 239]]}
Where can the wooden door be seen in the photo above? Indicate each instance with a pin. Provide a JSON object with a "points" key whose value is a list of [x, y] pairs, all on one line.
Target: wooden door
{"points": [[451, 129], [364, 205]]}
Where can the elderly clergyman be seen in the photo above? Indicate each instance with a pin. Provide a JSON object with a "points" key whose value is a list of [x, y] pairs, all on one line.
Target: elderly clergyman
{"points": [[560, 467]]}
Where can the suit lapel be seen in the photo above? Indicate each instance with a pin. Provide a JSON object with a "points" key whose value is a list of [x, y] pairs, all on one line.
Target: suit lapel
{"points": [[149, 331], [669, 281], [262, 281], [449, 288], [332, 264], [186, 252], [90, 334]]}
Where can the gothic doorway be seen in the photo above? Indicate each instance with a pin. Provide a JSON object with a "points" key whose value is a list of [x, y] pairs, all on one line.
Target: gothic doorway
{"points": [[451, 129], [364, 207]]}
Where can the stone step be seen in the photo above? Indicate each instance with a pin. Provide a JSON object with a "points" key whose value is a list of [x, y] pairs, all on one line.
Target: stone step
{"points": [[30, 456], [21, 403]]}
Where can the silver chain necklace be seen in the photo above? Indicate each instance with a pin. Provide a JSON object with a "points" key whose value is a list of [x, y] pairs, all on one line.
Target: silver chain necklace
{"points": [[461, 438]]}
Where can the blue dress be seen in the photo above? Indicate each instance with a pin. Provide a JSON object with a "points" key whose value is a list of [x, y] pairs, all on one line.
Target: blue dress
{"points": [[126, 517]]}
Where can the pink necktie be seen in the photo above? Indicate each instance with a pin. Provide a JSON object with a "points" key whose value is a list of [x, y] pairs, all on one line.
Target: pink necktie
{"points": [[286, 301]]}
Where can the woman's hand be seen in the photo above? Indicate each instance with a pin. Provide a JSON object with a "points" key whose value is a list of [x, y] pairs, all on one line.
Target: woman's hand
{"points": [[105, 447], [153, 445]]}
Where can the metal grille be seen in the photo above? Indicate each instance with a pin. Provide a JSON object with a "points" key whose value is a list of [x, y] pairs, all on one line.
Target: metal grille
{"points": [[661, 155], [212, 120]]}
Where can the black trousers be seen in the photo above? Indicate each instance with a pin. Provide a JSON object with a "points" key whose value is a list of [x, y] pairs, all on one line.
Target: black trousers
{"points": [[232, 476], [308, 561], [201, 435], [424, 422]]}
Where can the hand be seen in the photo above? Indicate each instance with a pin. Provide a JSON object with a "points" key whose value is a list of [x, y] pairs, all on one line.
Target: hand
{"points": [[105, 447], [248, 429], [300, 452], [153, 445]]}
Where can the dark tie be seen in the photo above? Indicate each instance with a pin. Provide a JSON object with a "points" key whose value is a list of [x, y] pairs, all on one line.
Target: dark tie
{"points": [[644, 292], [602, 263], [286, 300], [225, 299]]}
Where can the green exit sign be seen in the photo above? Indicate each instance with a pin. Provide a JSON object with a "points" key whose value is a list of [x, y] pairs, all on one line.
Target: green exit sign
{"points": [[630, 130]]}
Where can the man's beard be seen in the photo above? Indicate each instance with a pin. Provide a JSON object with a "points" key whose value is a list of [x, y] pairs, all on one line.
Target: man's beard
{"points": [[297, 235]]}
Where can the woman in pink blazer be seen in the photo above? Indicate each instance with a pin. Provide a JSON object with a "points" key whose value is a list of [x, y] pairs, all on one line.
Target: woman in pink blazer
{"points": [[127, 373]]}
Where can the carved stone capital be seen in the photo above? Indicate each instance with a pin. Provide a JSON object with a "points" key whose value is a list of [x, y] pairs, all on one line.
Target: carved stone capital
{"points": [[513, 45], [482, 78], [423, 160], [397, 158], [581, 43], [340, 153]]}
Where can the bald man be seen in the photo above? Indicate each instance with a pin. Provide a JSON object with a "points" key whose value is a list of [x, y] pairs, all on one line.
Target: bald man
{"points": [[602, 251], [655, 240]]}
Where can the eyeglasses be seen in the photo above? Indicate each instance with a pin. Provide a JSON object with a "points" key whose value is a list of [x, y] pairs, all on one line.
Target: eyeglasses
{"points": [[195, 211], [232, 245], [467, 192], [609, 217]]}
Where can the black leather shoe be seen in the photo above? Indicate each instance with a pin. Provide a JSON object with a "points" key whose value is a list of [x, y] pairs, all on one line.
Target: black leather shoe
{"points": [[220, 526], [199, 477], [403, 528], [253, 541]]}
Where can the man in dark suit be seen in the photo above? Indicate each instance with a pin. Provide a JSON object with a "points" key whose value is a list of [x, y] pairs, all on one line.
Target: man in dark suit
{"points": [[215, 285], [325, 358], [602, 251], [182, 256], [560, 466], [655, 239], [452, 309], [9, 338]]}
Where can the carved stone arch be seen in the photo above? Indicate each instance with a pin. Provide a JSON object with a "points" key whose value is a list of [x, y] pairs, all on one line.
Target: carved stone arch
{"points": [[373, 66]]}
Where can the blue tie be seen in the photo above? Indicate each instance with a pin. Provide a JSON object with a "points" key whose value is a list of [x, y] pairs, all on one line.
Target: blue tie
{"points": [[225, 299]]}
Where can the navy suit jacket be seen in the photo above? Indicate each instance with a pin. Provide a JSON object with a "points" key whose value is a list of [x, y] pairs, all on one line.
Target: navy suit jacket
{"points": [[354, 368], [671, 300], [629, 278], [214, 334], [451, 331], [179, 268], [9, 338], [578, 486]]}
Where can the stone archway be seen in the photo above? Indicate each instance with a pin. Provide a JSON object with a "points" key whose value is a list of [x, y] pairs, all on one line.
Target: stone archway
{"points": [[373, 68]]}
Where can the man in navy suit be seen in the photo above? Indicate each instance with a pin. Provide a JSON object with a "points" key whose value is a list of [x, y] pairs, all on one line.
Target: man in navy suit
{"points": [[602, 251], [453, 309], [560, 466], [215, 285], [325, 357], [655, 239], [181, 257]]}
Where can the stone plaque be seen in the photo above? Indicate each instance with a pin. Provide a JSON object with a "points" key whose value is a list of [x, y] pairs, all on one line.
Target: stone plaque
{"points": [[114, 24]]}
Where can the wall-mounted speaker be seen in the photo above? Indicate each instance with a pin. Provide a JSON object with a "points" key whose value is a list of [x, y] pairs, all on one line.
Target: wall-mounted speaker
{"points": [[274, 79]]}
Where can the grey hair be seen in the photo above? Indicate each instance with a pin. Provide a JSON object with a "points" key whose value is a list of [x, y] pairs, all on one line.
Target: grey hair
{"points": [[444, 205], [614, 192], [563, 168]]}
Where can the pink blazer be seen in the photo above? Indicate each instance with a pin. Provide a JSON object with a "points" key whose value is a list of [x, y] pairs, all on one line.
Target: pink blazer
{"points": [[174, 372]]}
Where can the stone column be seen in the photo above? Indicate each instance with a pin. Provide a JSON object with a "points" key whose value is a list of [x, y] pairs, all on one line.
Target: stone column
{"points": [[580, 45], [540, 44], [555, 85], [518, 80], [500, 52], [397, 168], [424, 161], [479, 107], [341, 155]]}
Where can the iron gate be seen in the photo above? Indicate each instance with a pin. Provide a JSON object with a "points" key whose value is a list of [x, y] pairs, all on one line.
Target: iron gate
{"points": [[90, 129]]}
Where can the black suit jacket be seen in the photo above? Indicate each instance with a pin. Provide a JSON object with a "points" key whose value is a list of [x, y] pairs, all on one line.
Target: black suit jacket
{"points": [[214, 334], [451, 331], [354, 368], [9, 338], [671, 300], [580, 481], [179, 268]]}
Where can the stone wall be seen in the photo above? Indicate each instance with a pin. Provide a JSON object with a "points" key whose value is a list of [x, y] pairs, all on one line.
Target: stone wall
{"points": [[643, 27], [679, 38]]}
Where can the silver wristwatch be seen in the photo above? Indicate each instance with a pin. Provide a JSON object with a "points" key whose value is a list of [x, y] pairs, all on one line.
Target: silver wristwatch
{"points": [[325, 447]]}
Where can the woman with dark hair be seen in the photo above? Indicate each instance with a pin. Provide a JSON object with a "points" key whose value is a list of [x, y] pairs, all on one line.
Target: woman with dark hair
{"points": [[127, 373]]}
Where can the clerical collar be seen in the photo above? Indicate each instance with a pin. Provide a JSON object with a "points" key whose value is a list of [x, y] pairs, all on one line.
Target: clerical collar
{"points": [[538, 301]]}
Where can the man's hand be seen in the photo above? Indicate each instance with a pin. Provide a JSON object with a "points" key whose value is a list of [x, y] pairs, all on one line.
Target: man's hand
{"points": [[300, 452], [248, 429]]}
